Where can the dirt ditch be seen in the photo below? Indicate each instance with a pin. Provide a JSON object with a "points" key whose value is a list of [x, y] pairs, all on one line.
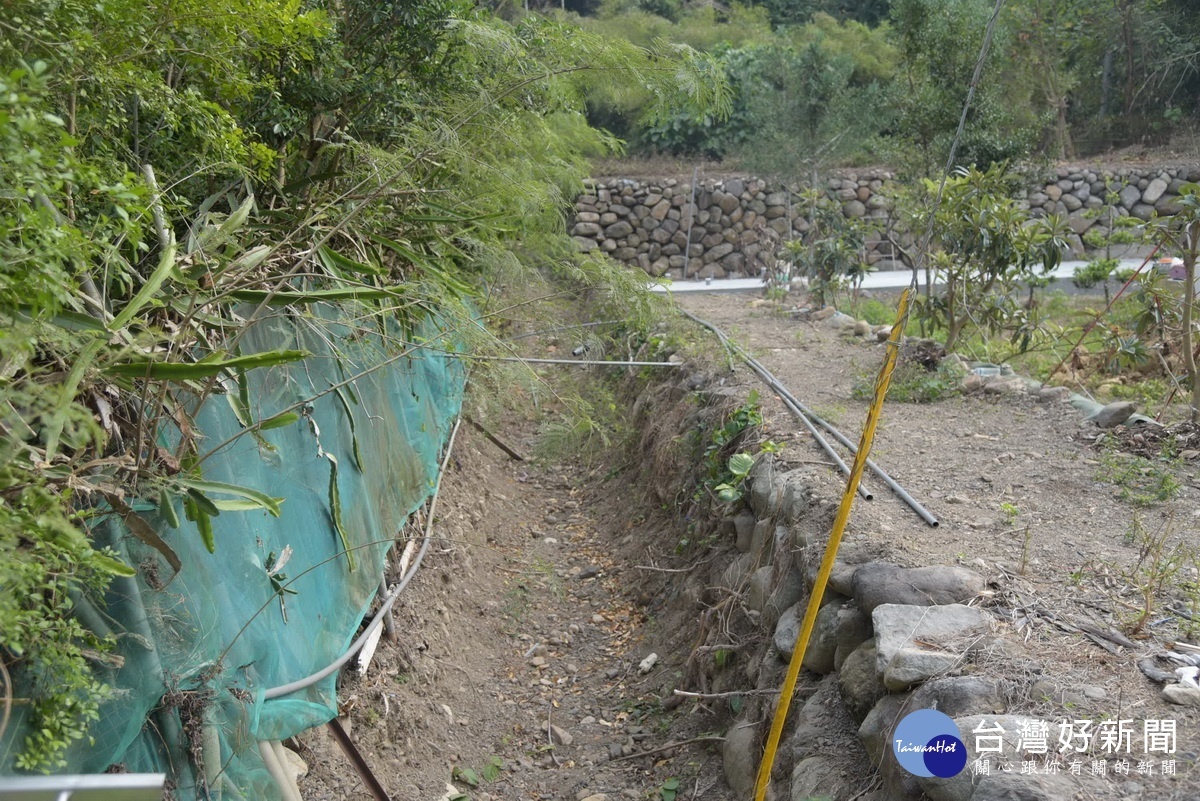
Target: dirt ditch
{"points": [[537, 652]]}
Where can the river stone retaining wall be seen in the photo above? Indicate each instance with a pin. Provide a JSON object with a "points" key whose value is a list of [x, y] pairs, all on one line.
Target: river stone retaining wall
{"points": [[732, 227], [888, 640]]}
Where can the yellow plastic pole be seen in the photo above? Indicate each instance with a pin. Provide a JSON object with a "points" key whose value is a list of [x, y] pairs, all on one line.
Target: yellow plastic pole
{"points": [[835, 540]]}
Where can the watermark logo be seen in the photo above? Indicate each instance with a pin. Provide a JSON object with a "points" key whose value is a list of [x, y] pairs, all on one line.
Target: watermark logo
{"points": [[928, 743]]}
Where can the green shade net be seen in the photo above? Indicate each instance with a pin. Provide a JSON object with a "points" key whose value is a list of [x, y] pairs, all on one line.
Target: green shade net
{"points": [[201, 647]]}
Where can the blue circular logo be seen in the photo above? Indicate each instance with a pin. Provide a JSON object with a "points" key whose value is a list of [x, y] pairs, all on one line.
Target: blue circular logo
{"points": [[927, 743]]}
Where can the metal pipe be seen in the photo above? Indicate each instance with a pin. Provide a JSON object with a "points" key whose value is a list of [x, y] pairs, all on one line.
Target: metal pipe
{"points": [[803, 412], [772, 382], [876, 469]]}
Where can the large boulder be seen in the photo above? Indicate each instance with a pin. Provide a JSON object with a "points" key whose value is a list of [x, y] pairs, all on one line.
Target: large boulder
{"points": [[915, 643], [877, 583]]}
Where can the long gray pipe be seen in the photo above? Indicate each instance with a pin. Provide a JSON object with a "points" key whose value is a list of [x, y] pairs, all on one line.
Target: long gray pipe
{"points": [[771, 381], [807, 416]]}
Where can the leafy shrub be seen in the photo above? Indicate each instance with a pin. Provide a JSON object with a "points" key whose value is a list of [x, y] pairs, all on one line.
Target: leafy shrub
{"points": [[914, 383]]}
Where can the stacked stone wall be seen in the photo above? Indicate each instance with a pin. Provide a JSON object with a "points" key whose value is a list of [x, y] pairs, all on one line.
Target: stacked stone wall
{"points": [[733, 226]]}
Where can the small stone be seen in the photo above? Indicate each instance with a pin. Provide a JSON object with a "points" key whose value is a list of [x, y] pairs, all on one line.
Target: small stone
{"points": [[295, 764], [591, 571], [741, 751], [538, 661], [593, 796], [614, 751], [1113, 414], [597, 619], [647, 664], [560, 736], [1094, 693]]}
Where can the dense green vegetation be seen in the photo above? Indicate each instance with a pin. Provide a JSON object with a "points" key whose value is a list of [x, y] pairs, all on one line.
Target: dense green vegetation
{"points": [[172, 172], [885, 80]]}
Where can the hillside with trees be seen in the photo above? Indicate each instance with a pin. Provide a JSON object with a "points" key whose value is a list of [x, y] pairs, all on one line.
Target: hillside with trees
{"points": [[883, 82]]}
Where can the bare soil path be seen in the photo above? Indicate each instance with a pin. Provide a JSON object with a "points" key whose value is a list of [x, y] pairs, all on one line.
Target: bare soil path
{"points": [[517, 665]]}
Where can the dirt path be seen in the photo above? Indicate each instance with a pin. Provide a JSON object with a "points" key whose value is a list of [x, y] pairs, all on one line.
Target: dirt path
{"points": [[518, 665]]}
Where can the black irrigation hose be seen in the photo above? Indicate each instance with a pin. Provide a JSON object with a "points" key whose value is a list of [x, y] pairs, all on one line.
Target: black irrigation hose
{"points": [[808, 418], [377, 621]]}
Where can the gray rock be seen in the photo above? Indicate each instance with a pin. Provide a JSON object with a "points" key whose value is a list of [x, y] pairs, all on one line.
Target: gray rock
{"points": [[898, 629], [875, 733], [1017, 787], [762, 486], [877, 583], [726, 201], [854, 209], [1053, 394], [1080, 224], [797, 495], [787, 629], [1130, 196], [735, 186], [841, 578], [815, 777], [1113, 414], [821, 715], [958, 696], [740, 754], [743, 526], [736, 572], [618, 230], [1003, 385], [1143, 211], [1180, 695], [762, 540], [818, 657], [560, 736], [787, 593], [1154, 191], [1072, 202], [911, 666], [877, 727], [585, 229], [760, 587], [585, 245], [853, 629], [861, 684]]}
